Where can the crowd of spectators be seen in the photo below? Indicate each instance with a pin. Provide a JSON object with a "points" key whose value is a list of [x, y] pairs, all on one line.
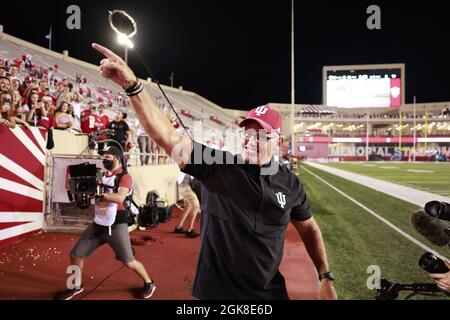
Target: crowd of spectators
{"points": [[35, 96], [32, 95]]}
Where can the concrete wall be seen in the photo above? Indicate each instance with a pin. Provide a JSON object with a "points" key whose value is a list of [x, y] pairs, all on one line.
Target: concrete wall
{"points": [[67, 143], [162, 178]]}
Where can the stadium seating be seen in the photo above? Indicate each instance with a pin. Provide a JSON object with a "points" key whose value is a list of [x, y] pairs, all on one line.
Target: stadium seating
{"points": [[188, 105]]}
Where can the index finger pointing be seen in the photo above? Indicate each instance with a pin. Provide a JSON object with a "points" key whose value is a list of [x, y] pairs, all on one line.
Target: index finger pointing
{"points": [[105, 51]]}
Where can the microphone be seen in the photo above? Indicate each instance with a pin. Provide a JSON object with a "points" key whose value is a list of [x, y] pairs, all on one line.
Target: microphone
{"points": [[435, 230]]}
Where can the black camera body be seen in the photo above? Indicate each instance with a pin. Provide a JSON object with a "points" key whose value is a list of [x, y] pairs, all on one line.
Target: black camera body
{"points": [[84, 184]]}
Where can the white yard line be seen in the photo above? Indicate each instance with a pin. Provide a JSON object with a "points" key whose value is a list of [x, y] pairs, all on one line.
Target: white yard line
{"points": [[373, 213], [420, 171]]}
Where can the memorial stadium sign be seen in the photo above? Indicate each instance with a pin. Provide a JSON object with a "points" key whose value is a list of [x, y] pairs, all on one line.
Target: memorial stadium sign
{"points": [[361, 151]]}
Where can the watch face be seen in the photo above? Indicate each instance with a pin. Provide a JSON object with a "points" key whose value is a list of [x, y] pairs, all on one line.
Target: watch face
{"points": [[327, 275]]}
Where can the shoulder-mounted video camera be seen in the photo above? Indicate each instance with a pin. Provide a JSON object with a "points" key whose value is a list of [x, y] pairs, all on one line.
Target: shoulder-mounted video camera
{"points": [[85, 181]]}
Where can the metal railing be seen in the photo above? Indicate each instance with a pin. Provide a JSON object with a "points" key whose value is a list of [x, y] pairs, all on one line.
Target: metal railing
{"points": [[154, 159]]}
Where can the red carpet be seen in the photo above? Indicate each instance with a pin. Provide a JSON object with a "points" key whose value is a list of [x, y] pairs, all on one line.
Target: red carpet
{"points": [[35, 268]]}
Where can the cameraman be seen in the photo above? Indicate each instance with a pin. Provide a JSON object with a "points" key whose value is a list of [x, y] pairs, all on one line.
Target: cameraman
{"points": [[110, 224], [442, 279]]}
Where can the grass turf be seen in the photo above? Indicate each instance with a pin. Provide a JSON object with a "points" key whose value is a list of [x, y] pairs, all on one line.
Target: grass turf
{"points": [[356, 240]]}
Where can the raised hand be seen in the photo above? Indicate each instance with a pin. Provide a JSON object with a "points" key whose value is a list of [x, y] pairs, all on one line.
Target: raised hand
{"points": [[114, 68]]}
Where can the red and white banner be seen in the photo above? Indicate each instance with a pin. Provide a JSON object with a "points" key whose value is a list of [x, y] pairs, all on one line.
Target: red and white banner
{"points": [[22, 168]]}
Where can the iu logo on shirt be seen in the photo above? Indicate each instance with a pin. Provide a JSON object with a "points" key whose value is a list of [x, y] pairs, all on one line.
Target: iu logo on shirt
{"points": [[261, 110], [281, 198]]}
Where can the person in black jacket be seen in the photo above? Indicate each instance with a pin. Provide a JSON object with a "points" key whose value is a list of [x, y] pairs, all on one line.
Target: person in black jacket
{"points": [[247, 200]]}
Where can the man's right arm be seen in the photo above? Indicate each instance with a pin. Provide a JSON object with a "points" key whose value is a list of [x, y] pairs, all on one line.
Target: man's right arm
{"points": [[154, 122], [159, 128]]}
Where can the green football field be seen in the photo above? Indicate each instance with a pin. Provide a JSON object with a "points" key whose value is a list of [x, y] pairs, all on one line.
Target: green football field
{"points": [[430, 177], [356, 240]]}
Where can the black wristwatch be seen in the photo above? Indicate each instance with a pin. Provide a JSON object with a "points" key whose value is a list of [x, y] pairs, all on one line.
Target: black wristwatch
{"points": [[326, 275]]}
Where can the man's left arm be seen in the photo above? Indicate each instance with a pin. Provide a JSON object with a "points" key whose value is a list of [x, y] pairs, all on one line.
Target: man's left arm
{"points": [[310, 233]]}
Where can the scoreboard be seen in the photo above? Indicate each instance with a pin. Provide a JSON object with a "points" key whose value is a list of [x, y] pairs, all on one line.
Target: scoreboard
{"points": [[364, 86]]}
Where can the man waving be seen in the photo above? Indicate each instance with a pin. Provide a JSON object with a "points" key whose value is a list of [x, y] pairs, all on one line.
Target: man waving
{"points": [[247, 200]]}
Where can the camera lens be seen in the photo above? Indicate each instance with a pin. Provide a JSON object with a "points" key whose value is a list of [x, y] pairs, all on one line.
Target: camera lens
{"points": [[444, 213], [82, 187], [439, 210], [433, 208], [432, 264]]}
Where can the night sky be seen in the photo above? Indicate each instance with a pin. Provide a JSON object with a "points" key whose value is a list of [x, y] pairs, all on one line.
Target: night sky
{"points": [[237, 53]]}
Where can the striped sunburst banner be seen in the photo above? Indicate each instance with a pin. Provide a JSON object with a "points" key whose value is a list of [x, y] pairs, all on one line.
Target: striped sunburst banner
{"points": [[22, 168]]}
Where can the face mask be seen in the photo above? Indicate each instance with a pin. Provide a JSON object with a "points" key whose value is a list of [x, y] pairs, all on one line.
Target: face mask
{"points": [[108, 164]]}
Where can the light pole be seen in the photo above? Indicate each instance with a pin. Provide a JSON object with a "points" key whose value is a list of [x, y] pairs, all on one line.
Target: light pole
{"points": [[414, 133], [292, 82], [367, 135], [171, 79], [49, 38]]}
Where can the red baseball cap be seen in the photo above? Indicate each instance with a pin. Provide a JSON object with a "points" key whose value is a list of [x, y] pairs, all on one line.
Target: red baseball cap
{"points": [[268, 118]]}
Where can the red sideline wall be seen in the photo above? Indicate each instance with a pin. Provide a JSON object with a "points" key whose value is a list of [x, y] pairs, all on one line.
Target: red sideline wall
{"points": [[22, 167]]}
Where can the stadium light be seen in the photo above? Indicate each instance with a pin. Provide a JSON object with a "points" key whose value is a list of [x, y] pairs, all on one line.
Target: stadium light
{"points": [[124, 40], [122, 37]]}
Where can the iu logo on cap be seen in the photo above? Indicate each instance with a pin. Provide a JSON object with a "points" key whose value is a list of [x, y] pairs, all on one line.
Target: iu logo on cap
{"points": [[281, 198], [261, 110]]}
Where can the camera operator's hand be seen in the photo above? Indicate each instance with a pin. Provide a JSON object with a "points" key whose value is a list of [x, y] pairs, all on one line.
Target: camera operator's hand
{"points": [[442, 279], [114, 68], [327, 290]]}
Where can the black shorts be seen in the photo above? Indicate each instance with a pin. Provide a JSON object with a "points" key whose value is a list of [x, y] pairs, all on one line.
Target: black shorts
{"points": [[95, 236]]}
